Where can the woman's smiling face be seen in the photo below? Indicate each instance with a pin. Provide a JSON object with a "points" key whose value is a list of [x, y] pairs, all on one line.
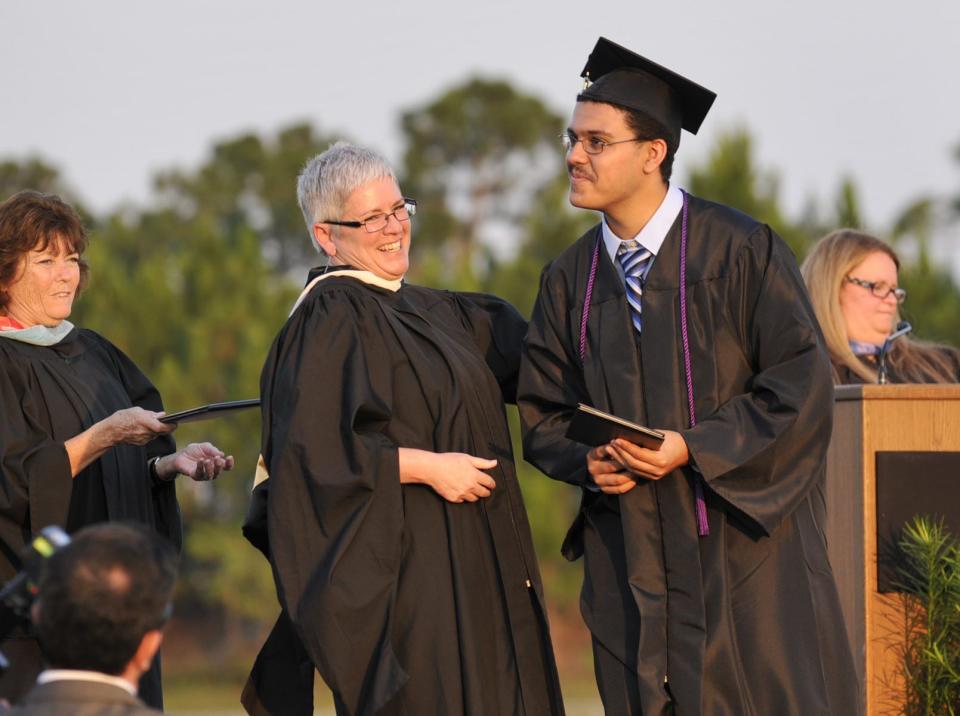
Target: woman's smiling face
{"points": [[384, 252]]}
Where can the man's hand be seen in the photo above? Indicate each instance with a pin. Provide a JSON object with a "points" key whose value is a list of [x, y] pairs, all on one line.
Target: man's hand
{"points": [[651, 464], [607, 473]]}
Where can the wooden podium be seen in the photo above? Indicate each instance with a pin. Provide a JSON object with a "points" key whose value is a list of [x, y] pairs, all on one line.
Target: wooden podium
{"points": [[869, 419]]}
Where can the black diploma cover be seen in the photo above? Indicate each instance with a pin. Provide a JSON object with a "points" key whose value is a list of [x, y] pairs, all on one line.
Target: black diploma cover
{"points": [[594, 427], [211, 411]]}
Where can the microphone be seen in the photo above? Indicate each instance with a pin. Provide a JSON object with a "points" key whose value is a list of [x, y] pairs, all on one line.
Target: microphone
{"points": [[903, 328]]}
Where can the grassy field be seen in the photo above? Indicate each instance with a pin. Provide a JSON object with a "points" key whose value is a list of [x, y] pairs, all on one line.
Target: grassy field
{"points": [[205, 669], [216, 692]]}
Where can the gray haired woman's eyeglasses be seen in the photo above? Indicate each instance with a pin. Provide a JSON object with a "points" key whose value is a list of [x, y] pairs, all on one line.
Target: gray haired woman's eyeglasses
{"points": [[378, 222]]}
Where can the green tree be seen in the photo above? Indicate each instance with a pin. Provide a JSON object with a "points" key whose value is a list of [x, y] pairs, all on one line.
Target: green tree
{"points": [[731, 176], [929, 575], [848, 206], [249, 182], [33, 173], [474, 158], [37, 174], [550, 226], [916, 221], [933, 305]]}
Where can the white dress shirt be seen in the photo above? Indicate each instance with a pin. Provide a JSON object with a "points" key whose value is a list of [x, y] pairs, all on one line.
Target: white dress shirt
{"points": [[77, 675], [653, 234]]}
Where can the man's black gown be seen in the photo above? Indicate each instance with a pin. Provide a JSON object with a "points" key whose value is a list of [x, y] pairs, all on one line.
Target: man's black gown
{"points": [[49, 394], [406, 603], [747, 619]]}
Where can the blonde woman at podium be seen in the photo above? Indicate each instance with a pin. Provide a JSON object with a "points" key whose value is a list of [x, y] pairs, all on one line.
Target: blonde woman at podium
{"points": [[852, 279]]}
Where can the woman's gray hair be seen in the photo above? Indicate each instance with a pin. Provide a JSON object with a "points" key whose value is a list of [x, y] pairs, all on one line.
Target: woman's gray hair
{"points": [[329, 178]]}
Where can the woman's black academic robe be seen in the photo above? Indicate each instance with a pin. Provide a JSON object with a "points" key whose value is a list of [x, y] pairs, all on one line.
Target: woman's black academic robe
{"points": [[746, 620], [49, 394], [406, 603]]}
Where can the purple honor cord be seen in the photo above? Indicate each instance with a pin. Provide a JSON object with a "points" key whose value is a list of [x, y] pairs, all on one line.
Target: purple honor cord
{"points": [[587, 298], [703, 525]]}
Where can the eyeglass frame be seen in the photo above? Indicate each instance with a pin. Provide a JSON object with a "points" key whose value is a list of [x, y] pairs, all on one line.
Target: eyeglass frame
{"points": [[410, 205], [568, 141], [900, 294]]}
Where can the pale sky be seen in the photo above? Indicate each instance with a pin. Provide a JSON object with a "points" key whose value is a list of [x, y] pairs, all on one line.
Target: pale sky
{"points": [[112, 90]]}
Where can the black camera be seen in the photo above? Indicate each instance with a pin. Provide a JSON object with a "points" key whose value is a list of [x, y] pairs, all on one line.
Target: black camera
{"points": [[18, 594]]}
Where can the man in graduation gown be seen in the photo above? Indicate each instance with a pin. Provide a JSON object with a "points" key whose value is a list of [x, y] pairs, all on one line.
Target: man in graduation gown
{"points": [[707, 588]]}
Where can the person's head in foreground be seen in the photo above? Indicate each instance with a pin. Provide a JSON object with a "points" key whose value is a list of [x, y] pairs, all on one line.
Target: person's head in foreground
{"points": [[104, 600], [354, 210]]}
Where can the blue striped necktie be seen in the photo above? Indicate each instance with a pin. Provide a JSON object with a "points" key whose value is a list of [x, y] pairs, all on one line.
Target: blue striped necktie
{"points": [[635, 261]]}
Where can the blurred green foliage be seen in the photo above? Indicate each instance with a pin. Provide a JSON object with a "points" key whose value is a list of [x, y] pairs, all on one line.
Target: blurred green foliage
{"points": [[474, 158], [194, 285], [929, 577]]}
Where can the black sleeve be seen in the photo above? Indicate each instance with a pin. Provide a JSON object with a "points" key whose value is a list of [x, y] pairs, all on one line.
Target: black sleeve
{"points": [[35, 477], [763, 450], [550, 386], [335, 511], [497, 329]]}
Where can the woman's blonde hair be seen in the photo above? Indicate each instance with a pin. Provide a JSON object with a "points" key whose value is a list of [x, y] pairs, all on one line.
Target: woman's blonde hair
{"points": [[824, 270]]}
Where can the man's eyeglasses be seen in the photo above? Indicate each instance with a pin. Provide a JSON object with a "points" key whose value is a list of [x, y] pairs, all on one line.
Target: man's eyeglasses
{"points": [[880, 289], [591, 145], [378, 222]]}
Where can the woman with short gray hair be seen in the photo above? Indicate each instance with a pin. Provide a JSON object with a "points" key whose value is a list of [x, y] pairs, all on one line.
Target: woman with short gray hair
{"points": [[395, 523]]}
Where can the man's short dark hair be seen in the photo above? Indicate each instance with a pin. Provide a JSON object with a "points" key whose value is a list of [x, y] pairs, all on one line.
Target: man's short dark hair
{"points": [[646, 127], [101, 594]]}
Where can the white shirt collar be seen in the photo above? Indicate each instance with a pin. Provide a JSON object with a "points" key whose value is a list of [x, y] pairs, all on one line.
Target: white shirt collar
{"points": [[76, 675], [653, 234]]}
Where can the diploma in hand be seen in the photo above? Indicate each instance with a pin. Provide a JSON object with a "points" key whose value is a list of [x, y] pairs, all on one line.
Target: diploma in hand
{"points": [[594, 427], [211, 411]]}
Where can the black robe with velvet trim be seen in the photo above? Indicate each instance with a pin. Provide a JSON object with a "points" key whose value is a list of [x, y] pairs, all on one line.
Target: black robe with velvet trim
{"points": [[49, 394], [745, 620], [406, 603]]}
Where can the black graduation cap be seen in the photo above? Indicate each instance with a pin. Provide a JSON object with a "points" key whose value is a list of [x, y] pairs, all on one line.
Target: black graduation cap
{"points": [[624, 78]]}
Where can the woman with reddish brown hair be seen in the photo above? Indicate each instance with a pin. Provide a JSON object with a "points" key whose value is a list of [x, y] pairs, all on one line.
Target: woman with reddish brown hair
{"points": [[80, 437]]}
